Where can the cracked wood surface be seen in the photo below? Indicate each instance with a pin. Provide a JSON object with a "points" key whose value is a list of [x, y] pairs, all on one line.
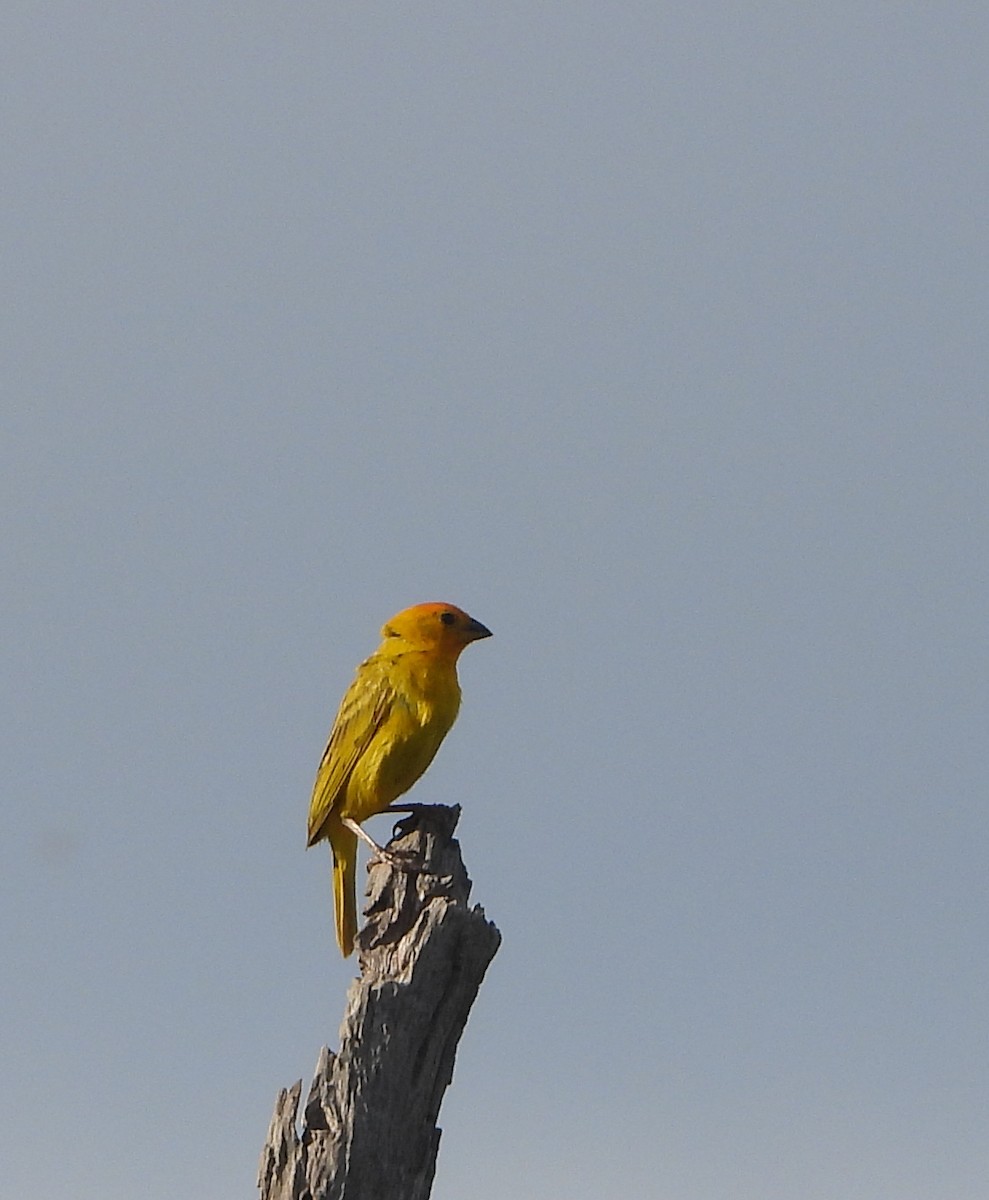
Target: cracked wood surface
{"points": [[369, 1127]]}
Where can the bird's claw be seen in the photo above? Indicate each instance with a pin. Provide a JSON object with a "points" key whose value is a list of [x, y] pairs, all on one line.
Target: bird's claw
{"points": [[401, 860]]}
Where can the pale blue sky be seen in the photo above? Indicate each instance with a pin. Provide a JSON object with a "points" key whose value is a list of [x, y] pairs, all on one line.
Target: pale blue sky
{"points": [[655, 338]]}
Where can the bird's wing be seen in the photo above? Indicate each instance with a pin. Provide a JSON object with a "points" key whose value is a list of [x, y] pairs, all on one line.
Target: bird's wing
{"points": [[363, 710]]}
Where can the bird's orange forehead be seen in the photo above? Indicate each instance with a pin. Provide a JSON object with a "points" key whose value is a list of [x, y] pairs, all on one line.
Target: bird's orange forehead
{"points": [[434, 607]]}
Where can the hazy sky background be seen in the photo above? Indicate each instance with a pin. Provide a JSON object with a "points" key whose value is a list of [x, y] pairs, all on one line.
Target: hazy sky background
{"points": [[654, 336]]}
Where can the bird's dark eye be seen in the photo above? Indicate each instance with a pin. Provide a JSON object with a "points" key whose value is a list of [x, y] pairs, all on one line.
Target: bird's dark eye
{"points": [[447, 618]]}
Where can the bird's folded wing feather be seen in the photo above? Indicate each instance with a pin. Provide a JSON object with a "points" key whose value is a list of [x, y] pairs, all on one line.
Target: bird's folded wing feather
{"points": [[363, 710]]}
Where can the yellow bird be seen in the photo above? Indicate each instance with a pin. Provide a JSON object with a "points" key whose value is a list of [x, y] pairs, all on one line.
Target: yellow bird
{"points": [[392, 718]]}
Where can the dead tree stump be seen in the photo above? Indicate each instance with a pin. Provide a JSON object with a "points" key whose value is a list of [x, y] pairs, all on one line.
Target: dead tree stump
{"points": [[369, 1126]]}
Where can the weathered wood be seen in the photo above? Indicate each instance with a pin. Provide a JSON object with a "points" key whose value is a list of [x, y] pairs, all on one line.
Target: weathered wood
{"points": [[369, 1126]]}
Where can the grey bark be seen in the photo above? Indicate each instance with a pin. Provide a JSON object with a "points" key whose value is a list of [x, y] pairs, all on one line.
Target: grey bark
{"points": [[369, 1125]]}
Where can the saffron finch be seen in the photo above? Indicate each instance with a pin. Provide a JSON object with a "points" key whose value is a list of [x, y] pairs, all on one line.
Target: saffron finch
{"points": [[392, 718]]}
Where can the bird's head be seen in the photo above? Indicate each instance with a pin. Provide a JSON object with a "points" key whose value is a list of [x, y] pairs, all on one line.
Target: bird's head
{"points": [[441, 628]]}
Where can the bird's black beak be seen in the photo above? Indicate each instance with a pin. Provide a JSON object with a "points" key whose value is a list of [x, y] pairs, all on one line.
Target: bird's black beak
{"points": [[476, 630]]}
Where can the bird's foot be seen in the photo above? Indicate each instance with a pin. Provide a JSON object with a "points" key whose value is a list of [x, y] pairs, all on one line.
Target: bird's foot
{"points": [[401, 860]]}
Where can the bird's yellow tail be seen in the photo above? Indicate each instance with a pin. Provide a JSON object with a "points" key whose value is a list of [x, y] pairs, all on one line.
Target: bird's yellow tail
{"points": [[344, 845]]}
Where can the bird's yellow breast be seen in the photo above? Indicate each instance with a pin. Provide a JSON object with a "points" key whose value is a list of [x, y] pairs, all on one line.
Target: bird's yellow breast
{"points": [[425, 703]]}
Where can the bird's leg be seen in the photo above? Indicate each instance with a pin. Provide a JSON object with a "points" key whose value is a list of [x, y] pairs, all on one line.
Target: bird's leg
{"points": [[403, 862], [364, 836]]}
